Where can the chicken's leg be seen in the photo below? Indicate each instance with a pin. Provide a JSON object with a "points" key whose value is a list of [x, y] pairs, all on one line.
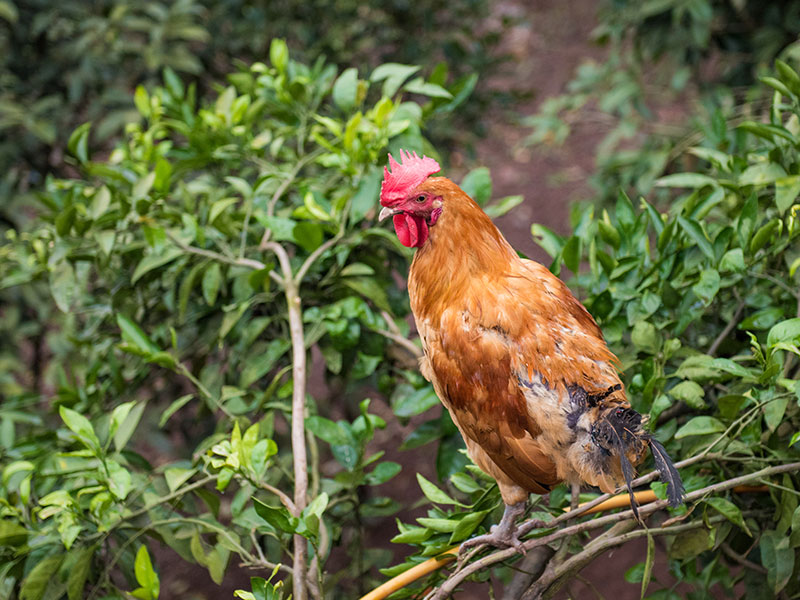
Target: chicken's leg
{"points": [[502, 535]]}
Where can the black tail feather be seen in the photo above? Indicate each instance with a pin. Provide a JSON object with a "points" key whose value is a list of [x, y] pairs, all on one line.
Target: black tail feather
{"points": [[669, 474], [627, 473], [622, 427]]}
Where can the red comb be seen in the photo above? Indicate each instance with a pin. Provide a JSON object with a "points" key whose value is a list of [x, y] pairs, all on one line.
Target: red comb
{"points": [[405, 176]]}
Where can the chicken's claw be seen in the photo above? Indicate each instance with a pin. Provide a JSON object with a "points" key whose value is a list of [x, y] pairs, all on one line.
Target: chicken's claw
{"points": [[503, 535]]}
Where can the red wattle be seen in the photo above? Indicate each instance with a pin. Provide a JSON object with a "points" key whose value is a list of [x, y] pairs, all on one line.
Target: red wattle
{"points": [[412, 231]]}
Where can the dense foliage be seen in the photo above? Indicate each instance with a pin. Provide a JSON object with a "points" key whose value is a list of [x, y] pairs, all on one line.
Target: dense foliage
{"points": [[65, 63], [178, 283]]}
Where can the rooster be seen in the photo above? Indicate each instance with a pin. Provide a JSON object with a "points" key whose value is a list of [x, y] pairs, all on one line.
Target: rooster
{"points": [[517, 360]]}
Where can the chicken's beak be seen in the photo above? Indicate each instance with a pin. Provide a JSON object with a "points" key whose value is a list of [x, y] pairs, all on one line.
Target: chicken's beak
{"points": [[385, 212]]}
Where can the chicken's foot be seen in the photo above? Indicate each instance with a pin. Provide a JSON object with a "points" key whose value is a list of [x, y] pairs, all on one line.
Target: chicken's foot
{"points": [[503, 535]]}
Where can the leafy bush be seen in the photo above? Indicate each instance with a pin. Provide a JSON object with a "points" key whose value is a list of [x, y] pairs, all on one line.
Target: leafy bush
{"points": [[702, 305], [191, 270], [65, 63]]}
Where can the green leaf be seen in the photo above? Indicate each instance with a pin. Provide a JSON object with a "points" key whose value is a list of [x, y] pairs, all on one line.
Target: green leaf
{"points": [[478, 185], [551, 242], [120, 481], [443, 525], [345, 89], [128, 425], [174, 407], [383, 472], [11, 533], [64, 286], [762, 319], [690, 393], [707, 286], [685, 180], [609, 234], [78, 144], [788, 76], [774, 411], [176, 477], [219, 207], [786, 192], [100, 203], [146, 577], [80, 426], [762, 174], [432, 90], [279, 55], [648, 564], [763, 235], [309, 236], [646, 337], [433, 493], [36, 582], [412, 535], [729, 510], [695, 231], [133, 334], [393, 75], [732, 261], [503, 206], [747, 220], [257, 367], [327, 430], [778, 558], [785, 331], [467, 525], [9, 12], [155, 260], [689, 544], [279, 518], [212, 279], [416, 403], [142, 101], [76, 580], [701, 425], [571, 254], [282, 228]]}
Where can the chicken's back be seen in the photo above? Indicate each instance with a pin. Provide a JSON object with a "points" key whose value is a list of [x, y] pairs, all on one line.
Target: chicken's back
{"points": [[522, 367]]}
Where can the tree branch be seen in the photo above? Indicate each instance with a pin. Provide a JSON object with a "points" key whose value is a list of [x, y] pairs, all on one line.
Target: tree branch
{"points": [[500, 555]]}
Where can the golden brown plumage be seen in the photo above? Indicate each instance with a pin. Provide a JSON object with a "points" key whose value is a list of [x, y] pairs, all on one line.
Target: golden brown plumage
{"points": [[520, 364]]}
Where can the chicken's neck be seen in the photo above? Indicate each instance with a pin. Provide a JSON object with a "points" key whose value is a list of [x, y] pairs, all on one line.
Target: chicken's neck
{"points": [[464, 252]]}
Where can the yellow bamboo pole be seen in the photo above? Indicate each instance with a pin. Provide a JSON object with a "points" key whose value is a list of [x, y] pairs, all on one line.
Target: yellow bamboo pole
{"points": [[416, 572]]}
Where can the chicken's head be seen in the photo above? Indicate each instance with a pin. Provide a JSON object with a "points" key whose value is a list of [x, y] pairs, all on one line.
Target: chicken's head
{"points": [[413, 210]]}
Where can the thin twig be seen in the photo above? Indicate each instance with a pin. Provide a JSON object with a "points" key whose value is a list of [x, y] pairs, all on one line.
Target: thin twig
{"points": [[238, 262], [412, 348], [712, 350], [397, 336], [738, 558], [301, 272], [285, 500]]}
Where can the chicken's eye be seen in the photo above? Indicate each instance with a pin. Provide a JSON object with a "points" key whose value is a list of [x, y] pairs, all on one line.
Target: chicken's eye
{"points": [[421, 198]]}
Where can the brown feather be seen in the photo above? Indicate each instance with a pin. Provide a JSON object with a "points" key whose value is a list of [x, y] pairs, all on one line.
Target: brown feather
{"points": [[518, 361]]}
